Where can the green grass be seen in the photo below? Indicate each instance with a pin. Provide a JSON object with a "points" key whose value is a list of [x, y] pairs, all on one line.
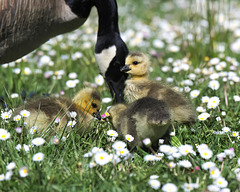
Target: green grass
{"points": [[180, 23]]}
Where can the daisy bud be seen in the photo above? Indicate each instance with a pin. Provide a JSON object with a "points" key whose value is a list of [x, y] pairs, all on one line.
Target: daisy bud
{"points": [[147, 142]]}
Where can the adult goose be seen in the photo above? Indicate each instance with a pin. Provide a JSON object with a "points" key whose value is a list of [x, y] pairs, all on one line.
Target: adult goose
{"points": [[26, 24]]}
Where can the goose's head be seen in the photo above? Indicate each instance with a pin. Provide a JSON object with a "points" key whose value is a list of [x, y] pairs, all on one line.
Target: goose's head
{"points": [[136, 64], [88, 100]]}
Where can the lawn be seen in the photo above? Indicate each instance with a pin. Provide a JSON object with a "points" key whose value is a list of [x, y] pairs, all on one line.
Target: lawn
{"points": [[194, 47]]}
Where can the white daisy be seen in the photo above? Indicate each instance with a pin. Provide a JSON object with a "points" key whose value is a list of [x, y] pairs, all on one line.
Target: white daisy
{"points": [[4, 134], [118, 145], [206, 153], [101, 158], [24, 113], [38, 157], [214, 172], [154, 183], [112, 133], [11, 166], [208, 165], [38, 141], [169, 187], [23, 172], [221, 182], [129, 138]]}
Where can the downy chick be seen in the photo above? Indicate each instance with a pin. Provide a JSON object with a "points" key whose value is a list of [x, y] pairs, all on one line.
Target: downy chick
{"points": [[144, 118], [45, 111], [139, 85]]}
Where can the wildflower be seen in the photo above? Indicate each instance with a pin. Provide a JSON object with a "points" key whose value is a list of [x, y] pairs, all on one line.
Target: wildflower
{"points": [[214, 172], [213, 102], [161, 141], [33, 130], [149, 158], [189, 186], [235, 133], [25, 113], [123, 152], [71, 123], [23, 172], [205, 99], [11, 166], [154, 177], [203, 116], [17, 118], [185, 149], [171, 164], [154, 183], [102, 158], [106, 100], [73, 114], [112, 133], [2, 177], [165, 148], [185, 163], [72, 75], [221, 156], [238, 161], [6, 115], [129, 138], [38, 157], [218, 118], [202, 147], [92, 164], [236, 98], [206, 153], [4, 134], [214, 85], [200, 109], [71, 84], [147, 142], [8, 175], [118, 145], [208, 165], [213, 188], [99, 80], [194, 93], [221, 182], [57, 120], [169, 187], [38, 141], [229, 152], [226, 129], [96, 150]]}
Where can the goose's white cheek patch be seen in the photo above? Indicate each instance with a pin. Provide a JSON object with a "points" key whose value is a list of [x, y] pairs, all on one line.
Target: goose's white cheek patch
{"points": [[105, 57]]}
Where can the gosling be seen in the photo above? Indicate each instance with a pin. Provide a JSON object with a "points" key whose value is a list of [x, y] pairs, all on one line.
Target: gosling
{"points": [[144, 118], [139, 86], [57, 113]]}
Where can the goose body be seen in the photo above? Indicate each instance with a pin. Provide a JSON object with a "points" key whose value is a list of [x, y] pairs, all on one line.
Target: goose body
{"points": [[144, 118], [54, 114], [139, 85], [26, 24]]}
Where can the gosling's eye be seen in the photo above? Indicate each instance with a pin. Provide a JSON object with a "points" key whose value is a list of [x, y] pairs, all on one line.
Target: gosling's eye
{"points": [[94, 105], [135, 62]]}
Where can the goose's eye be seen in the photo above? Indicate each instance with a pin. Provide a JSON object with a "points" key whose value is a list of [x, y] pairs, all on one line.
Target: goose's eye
{"points": [[94, 105], [135, 62]]}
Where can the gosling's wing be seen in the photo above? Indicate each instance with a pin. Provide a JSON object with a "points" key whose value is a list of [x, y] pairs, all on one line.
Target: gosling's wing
{"points": [[153, 110]]}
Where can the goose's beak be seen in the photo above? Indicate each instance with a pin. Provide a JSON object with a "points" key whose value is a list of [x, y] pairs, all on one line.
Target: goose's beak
{"points": [[125, 68], [97, 115]]}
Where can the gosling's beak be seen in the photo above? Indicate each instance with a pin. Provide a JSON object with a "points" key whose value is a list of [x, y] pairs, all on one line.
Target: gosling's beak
{"points": [[125, 68], [97, 115]]}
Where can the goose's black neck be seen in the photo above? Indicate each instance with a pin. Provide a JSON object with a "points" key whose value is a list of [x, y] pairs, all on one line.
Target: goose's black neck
{"points": [[108, 17]]}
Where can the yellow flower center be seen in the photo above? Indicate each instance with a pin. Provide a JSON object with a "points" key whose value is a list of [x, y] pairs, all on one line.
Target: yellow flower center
{"points": [[101, 157]]}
